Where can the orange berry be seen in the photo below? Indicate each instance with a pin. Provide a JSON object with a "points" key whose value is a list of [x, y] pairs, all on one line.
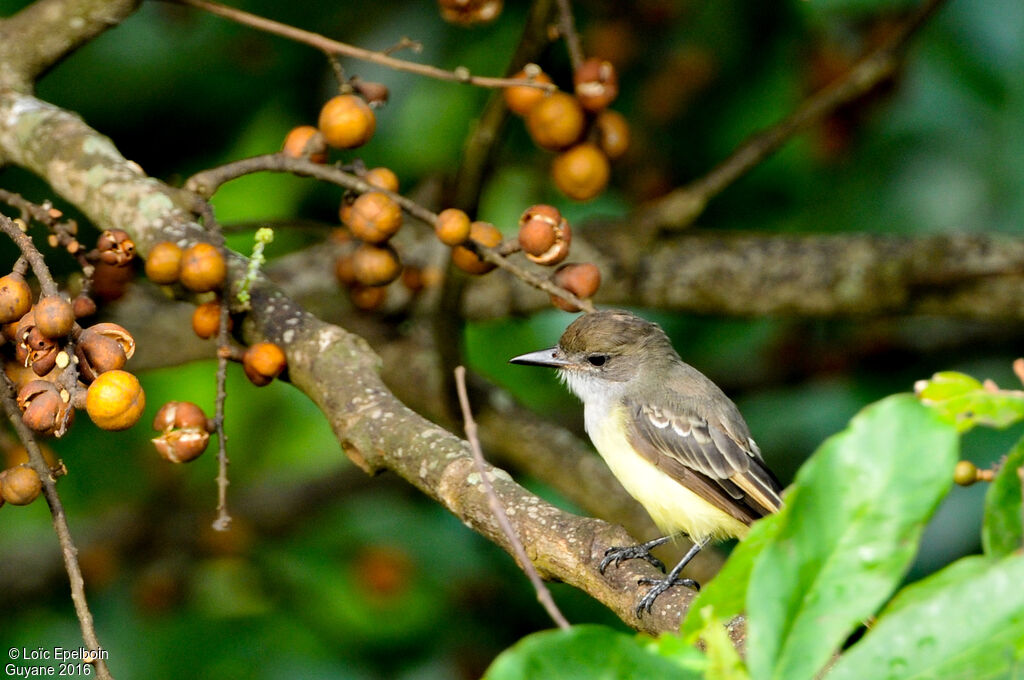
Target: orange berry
{"points": [[582, 172], [20, 485], [612, 133], [556, 121], [383, 178], [305, 141], [582, 280], [344, 271], [375, 265], [54, 316], [452, 227], [164, 263], [206, 319], [597, 84], [521, 99], [482, 233], [115, 400], [202, 267], [368, 298], [347, 121], [15, 297], [374, 217], [263, 362], [110, 281]]}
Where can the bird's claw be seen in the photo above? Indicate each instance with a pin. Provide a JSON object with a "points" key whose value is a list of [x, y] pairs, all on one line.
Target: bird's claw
{"points": [[658, 586], [632, 552]]}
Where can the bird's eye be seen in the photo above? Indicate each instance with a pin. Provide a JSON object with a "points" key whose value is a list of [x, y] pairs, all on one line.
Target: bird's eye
{"points": [[597, 359]]}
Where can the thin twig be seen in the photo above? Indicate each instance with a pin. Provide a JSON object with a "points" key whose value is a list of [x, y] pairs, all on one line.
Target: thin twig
{"points": [[329, 46], [543, 594], [567, 28], [223, 520], [31, 254], [206, 182], [679, 208], [60, 526]]}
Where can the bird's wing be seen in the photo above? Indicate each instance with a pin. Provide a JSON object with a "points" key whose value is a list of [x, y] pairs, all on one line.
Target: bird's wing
{"points": [[712, 456]]}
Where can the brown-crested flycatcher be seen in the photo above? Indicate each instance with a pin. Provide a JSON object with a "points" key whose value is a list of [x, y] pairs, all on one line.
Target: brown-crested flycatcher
{"points": [[670, 435]]}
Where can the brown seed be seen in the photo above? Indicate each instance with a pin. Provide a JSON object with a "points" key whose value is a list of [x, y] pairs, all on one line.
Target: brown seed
{"points": [[582, 280], [179, 414], [597, 84], [469, 12], [115, 247], [544, 235]]}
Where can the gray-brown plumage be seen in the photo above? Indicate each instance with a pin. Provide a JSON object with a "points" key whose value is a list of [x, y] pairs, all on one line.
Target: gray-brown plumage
{"points": [[676, 442]]}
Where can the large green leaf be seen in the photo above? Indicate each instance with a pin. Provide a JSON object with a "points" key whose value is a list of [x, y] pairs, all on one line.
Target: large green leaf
{"points": [[969, 402], [855, 515], [587, 652], [964, 623], [1002, 532], [727, 592]]}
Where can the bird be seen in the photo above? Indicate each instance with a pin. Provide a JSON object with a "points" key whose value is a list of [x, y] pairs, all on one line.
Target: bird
{"points": [[673, 439]]}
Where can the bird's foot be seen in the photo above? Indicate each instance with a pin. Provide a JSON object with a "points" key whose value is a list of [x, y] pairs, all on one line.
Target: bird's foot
{"points": [[633, 552], [658, 586]]}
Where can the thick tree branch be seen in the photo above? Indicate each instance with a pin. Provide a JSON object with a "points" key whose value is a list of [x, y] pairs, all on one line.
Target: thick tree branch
{"points": [[335, 369], [39, 36]]}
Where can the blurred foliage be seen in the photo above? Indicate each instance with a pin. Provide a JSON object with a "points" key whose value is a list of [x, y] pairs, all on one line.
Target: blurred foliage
{"points": [[379, 582], [809, 577]]}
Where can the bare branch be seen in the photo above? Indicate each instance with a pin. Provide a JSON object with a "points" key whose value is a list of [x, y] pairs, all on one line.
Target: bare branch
{"points": [[678, 209], [543, 594], [60, 525], [39, 36], [333, 47]]}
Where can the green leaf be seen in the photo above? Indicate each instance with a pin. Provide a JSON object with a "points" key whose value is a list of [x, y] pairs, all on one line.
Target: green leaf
{"points": [[968, 402], [851, 528], [965, 622], [587, 652], [1002, 532], [727, 592], [723, 661]]}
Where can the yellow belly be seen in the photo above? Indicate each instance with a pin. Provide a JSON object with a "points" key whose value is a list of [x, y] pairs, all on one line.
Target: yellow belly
{"points": [[672, 506]]}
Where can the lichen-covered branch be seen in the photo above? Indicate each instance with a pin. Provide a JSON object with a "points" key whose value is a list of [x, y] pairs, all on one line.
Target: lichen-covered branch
{"points": [[39, 36]]}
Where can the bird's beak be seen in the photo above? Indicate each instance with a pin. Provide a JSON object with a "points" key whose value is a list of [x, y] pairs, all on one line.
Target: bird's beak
{"points": [[551, 357]]}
